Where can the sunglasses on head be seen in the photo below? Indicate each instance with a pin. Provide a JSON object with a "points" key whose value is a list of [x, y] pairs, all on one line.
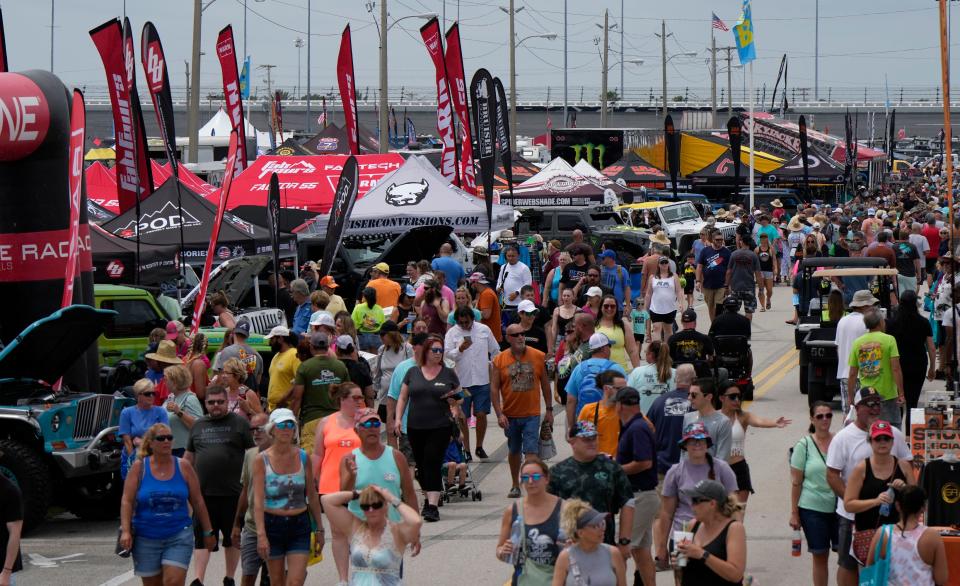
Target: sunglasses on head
{"points": [[371, 424], [374, 506], [216, 401], [285, 425], [148, 393], [163, 438], [535, 477], [822, 416]]}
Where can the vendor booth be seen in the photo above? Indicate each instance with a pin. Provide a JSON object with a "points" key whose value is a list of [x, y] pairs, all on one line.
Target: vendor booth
{"points": [[821, 168], [558, 184], [115, 260]]}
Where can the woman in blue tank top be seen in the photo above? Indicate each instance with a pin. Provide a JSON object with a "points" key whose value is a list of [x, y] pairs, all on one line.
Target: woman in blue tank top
{"points": [[283, 491], [155, 521]]}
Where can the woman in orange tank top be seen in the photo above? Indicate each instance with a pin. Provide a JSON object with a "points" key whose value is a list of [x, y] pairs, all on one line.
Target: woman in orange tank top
{"points": [[335, 438]]}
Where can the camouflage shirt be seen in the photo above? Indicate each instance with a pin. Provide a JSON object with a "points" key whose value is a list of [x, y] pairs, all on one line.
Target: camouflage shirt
{"points": [[601, 482]]}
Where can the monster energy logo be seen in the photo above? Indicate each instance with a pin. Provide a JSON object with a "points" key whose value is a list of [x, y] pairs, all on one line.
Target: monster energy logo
{"points": [[589, 150]]}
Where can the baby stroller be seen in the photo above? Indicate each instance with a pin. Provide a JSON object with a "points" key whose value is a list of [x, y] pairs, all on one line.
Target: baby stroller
{"points": [[456, 456]]}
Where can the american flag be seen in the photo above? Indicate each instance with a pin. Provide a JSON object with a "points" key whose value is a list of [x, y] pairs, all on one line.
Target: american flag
{"points": [[719, 24]]}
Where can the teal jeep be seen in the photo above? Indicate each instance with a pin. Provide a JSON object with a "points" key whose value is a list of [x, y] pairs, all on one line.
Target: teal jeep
{"points": [[59, 446]]}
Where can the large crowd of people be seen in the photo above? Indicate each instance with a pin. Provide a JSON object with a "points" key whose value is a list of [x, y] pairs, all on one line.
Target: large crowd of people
{"points": [[358, 406]]}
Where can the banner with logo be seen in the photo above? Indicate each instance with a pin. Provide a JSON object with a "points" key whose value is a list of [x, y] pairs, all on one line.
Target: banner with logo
{"points": [[412, 133], [735, 134], [306, 182], [133, 171], [802, 123], [200, 301], [130, 66], [343, 202], [453, 59], [348, 90], [77, 126], [273, 225], [503, 132], [672, 144], [433, 39], [158, 83], [245, 79], [4, 67], [483, 99], [743, 35], [227, 55]]}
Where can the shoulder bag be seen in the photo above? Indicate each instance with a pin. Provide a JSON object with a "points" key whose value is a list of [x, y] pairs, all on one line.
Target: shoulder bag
{"points": [[529, 572], [877, 573]]}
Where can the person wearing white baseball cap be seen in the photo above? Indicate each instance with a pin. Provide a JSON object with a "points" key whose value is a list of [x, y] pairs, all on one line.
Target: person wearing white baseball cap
{"points": [[283, 365], [593, 297]]}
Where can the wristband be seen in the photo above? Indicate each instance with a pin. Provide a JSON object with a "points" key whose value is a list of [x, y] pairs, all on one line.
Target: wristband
{"points": [[208, 533]]}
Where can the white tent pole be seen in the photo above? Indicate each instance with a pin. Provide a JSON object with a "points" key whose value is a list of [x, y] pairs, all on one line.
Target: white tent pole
{"points": [[752, 125]]}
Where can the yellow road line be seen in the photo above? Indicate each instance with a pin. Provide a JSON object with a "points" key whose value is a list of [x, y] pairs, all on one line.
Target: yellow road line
{"points": [[777, 364], [772, 382]]}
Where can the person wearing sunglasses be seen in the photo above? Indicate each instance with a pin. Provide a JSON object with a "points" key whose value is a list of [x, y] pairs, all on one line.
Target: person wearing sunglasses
{"points": [[589, 560], [850, 447], [215, 448], [619, 330], [717, 554], [377, 543], [539, 512], [136, 419], [867, 488], [813, 504], [155, 510], [244, 525], [285, 503], [336, 437], [431, 390], [712, 272], [731, 406]]}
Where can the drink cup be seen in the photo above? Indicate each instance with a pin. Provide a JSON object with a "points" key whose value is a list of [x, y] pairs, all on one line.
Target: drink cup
{"points": [[678, 538]]}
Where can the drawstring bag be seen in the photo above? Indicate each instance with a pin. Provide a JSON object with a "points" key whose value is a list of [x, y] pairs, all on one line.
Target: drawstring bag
{"points": [[548, 448]]}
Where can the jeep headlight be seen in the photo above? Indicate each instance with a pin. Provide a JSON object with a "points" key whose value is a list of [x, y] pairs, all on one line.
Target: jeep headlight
{"points": [[55, 423]]}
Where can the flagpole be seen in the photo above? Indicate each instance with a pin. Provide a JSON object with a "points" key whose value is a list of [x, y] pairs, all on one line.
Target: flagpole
{"points": [[752, 124]]}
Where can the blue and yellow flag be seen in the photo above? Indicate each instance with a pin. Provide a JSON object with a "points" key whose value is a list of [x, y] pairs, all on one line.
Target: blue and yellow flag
{"points": [[245, 79], [743, 35]]}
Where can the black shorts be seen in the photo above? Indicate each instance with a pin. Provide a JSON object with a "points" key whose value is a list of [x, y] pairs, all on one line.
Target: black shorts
{"points": [[742, 471], [931, 266], [638, 338], [663, 318], [222, 511]]}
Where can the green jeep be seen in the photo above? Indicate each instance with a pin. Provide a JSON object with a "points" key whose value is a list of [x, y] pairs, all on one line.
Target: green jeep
{"points": [[138, 312]]}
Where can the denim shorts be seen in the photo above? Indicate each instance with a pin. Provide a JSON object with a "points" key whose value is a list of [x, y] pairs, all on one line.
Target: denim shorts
{"points": [[479, 397], [150, 555], [369, 341], [820, 529], [844, 542], [288, 535], [523, 435]]}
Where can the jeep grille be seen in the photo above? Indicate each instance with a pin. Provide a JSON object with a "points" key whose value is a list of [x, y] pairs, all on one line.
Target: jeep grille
{"points": [[729, 233], [264, 320], [93, 415]]}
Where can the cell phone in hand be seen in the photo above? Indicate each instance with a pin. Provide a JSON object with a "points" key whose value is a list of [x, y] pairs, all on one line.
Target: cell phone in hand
{"points": [[468, 339]]}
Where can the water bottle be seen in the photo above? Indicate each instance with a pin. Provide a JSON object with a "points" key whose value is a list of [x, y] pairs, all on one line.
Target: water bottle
{"points": [[885, 507], [515, 537], [796, 544]]}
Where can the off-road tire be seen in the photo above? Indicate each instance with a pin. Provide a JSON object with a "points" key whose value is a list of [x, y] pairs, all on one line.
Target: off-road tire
{"points": [[32, 476]]}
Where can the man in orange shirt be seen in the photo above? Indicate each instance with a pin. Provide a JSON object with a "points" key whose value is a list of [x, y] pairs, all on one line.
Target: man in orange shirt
{"points": [[488, 305], [603, 413], [388, 292], [515, 375]]}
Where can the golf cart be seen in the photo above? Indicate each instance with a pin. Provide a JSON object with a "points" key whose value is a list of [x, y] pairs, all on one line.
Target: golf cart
{"points": [[818, 349]]}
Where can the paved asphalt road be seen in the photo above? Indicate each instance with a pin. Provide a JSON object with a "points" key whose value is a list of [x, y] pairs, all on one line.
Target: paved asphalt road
{"points": [[69, 551]]}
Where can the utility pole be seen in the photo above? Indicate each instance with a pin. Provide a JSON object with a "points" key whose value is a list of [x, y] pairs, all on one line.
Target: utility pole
{"points": [[52, 12], [603, 88], [384, 121], [298, 43], [309, 38], [713, 79], [729, 51], [186, 76], [194, 106], [565, 106], [269, 81], [513, 79], [663, 52], [622, 26], [816, 50]]}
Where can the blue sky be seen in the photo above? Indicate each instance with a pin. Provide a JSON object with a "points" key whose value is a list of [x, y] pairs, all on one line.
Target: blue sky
{"points": [[861, 41]]}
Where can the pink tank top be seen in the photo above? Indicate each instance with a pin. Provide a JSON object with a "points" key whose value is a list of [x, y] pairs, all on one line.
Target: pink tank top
{"points": [[337, 443], [907, 568]]}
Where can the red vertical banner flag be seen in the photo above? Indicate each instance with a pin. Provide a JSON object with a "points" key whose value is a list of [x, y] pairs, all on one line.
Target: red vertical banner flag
{"points": [[454, 62], [434, 41], [77, 125], [133, 170], [348, 92], [201, 300], [231, 91]]}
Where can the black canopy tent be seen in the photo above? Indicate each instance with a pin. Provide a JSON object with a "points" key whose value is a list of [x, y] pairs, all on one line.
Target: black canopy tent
{"points": [[821, 169], [160, 222], [290, 218], [291, 147], [114, 260], [97, 214], [332, 140]]}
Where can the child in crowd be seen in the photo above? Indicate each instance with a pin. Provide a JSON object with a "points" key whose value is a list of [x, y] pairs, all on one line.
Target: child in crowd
{"points": [[453, 465], [688, 277], [640, 318]]}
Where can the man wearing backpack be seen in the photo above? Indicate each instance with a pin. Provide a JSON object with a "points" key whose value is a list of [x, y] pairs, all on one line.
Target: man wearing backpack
{"points": [[615, 277], [582, 387]]}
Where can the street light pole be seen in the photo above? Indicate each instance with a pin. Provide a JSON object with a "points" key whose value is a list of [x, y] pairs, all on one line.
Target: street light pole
{"points": [[194, 113], [52, 11], [299, 45], [565, 103], [713, 79], [383, 121], [513, 82], [663, 52], [622, 26], [309, 52], [816, 51]]}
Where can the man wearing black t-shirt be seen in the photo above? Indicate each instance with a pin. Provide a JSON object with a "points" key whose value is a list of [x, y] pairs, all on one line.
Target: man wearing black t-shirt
{"points": [[688, 346], [11, 506], [575, 270], [534, 333]]}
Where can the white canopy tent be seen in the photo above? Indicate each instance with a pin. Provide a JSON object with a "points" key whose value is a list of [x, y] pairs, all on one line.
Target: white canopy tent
{"points": [[413, 196]]}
